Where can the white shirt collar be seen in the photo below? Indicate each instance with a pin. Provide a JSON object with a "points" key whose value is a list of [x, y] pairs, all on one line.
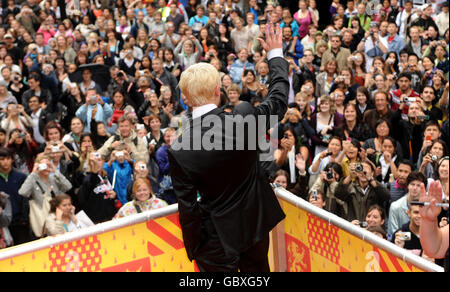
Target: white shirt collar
{"points": [[201, 110], [37, 114]]}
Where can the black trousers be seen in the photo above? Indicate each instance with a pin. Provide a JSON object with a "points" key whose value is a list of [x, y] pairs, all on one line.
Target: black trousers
{"points": [[213, 258]]}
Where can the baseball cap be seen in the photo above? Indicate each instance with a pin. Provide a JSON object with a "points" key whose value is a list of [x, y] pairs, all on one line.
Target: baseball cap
{"points": [[8, 36]]}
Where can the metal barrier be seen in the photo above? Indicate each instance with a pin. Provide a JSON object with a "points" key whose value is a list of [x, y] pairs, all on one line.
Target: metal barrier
{"points": [[381, 248], [152, 241]]}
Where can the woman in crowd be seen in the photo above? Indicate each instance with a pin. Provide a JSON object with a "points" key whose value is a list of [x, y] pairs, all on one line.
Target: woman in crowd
{"points": [[17, 118], [324, 122], [251, 87], [324, 80], [386, 161], [353, 127], [293, 120], [155, 136], [375, 217], [114, 45], [378, 68], [120, 108], [285, 155], [363, 100], [338, 96], [96, 195], [24, 149], [429, 162], [357, 61], [142, 39], [17, 88], [64, 50], [73, 138], [40, 187], [351, 154], [392, 61], [170, 64], [304, 18], [346, 82], [188, 54], [152, 106], [382, 130], [143, 200], [326, 184], [62, 216], [53, 134]]}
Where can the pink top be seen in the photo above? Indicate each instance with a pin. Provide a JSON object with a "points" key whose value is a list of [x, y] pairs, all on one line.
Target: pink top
{"points": [[303, 24], [48, 34]]}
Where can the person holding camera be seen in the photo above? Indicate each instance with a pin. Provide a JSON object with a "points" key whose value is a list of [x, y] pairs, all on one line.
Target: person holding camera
{"points": [[17, 87], [96, 195], [143, 200], [402, 98], [24, 150], [398, 209], [94, 107], [120, 171], [407, 236], [127, 136], [325, 157], [428, 163], [143, 169], [44, 183], [61, 218], [375, 218], [17, 118], [326, 184], [360, 190]]}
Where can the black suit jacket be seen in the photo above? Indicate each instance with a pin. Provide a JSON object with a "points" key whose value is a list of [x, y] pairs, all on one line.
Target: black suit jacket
{"points": [[236, 198]]}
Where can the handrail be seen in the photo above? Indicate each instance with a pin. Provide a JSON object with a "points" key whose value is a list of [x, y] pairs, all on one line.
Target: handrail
{"points": [[361, 233], [86, 232], [172, 209]]}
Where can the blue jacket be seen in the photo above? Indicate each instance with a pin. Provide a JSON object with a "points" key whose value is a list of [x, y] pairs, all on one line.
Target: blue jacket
{"points": [[19, 204], [396, 45], [162, 158], [237, 68], [85, 113], [124, 173]]}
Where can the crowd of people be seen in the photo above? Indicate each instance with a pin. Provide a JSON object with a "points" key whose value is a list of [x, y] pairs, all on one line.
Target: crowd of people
{"points": [[90, 105]]}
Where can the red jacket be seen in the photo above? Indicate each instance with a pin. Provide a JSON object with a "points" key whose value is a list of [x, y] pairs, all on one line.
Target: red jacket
{"points": [[395, 101]]}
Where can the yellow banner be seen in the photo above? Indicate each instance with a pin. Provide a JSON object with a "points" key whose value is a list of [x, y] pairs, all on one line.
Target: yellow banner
{"points": [[153, 246], [314, 245], [310, 245]]}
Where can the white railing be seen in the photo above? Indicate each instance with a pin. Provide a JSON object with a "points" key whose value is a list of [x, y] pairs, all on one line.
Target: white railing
{"points": [[361, 233], [86, 232]]}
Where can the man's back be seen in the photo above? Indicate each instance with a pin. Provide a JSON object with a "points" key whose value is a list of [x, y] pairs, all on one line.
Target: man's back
{"points": [[235, 195]]}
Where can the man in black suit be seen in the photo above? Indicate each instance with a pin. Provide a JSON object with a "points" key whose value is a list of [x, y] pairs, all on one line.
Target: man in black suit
{"points": [[227, 228]]}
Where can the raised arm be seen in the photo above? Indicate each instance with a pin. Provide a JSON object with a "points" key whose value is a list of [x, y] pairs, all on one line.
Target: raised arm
{"points": [[276, 101], [434, 240]]}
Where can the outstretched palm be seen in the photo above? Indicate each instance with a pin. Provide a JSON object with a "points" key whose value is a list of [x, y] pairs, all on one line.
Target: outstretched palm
{"points": [[434, 196], [274, 38]]}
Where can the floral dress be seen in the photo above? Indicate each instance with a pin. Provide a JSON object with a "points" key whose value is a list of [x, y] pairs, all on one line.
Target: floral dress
{"points": [[135, 207]]}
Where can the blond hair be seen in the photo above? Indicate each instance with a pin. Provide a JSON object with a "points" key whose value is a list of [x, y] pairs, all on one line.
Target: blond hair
{"points": [[198, 84], [325, 98]]}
